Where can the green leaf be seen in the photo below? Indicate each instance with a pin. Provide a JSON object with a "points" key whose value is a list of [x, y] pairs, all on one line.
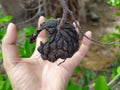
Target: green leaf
{"points": [[47, 39], [118, 70], [101, 84], [112, 76], [1, 15], [111, 37], [105, 39], [22, 51], [0, 55], [2, 32], [117, 27], [48, 19], [84, 88], [5, 19], [2, 28], [7, 85], [2, 85], [1, 77], [27, 48], [114, 3], [117, 13], [73, 86], [29, 30], [114, 35], [77, 70]]}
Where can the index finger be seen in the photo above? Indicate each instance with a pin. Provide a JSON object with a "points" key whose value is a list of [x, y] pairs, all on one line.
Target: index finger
{"points": [[41, 37], [71, 63]]}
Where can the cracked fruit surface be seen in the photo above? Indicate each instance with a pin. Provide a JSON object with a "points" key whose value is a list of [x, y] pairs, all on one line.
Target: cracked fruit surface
{"points": [[61, 42]]}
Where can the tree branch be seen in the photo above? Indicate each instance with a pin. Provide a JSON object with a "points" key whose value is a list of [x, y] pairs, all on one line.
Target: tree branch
{"points": [[64, 16], [114, 80], [67, 11], [35, 16]]}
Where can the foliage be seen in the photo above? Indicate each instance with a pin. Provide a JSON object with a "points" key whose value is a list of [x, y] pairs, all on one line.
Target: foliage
{"points": [[85, 81], [88, 76], [4, 19], [118, 70], [114, 3], [4, 81], [26, 49], [101, 84], [114, 36], [73, 86]]}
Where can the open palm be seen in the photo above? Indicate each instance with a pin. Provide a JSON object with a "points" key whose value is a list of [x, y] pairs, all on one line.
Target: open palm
{"points": [[34, 73]]}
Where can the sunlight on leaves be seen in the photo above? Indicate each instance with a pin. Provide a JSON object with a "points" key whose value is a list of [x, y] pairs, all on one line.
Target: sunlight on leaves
{"points": [[101, 84], [5, 19], [118, 70]]}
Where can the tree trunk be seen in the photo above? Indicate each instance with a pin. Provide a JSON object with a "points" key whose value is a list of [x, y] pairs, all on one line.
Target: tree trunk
{"points": [[13, 8], [51, 8]]}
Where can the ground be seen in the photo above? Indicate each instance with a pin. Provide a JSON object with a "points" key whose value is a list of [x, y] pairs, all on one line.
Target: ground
{"points": [[101, 56]]}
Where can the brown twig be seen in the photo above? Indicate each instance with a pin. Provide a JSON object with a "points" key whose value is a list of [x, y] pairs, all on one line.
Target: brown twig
{"points": [[64, 16], [34, 17], [115, 81], [66, 11], [30, 9]]}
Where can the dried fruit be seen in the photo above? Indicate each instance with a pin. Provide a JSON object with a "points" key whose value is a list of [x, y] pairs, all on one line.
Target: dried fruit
{"points": [[63, 40], [62, 43]]}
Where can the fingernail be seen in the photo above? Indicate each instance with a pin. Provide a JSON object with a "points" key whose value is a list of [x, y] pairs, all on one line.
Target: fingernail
{"points": [[9, 26], [89, 32]]}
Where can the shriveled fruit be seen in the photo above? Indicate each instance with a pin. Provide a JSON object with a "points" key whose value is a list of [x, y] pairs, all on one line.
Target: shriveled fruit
{"points": [[62, 43]]}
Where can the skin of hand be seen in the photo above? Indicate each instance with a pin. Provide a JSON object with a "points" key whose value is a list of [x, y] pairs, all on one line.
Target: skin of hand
{"points": [[34, 73]]}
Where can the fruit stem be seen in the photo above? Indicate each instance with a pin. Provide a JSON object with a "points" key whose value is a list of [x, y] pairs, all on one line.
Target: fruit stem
{"points": [[67, 11], [64, 16]]}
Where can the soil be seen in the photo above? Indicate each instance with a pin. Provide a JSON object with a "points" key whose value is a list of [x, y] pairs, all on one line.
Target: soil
{"points": [[100, 57]]}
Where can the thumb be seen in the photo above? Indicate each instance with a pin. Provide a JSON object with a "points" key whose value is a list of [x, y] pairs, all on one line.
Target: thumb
{"points": [[9, 48]]}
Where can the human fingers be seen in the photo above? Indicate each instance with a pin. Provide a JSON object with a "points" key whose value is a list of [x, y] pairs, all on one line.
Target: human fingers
{"points": [[71, 63], [41, 37], [9, 48], [75, 25]]}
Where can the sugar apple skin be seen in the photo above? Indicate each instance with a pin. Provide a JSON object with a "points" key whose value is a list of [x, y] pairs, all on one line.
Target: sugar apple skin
{"points": [[62, 43]]}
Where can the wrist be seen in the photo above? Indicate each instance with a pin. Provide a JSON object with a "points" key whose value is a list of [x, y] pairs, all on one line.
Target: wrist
{"points": [[51, 87]]}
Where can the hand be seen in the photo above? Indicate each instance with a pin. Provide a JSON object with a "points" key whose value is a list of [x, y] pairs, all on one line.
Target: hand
{"points": [[34, 73]]}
